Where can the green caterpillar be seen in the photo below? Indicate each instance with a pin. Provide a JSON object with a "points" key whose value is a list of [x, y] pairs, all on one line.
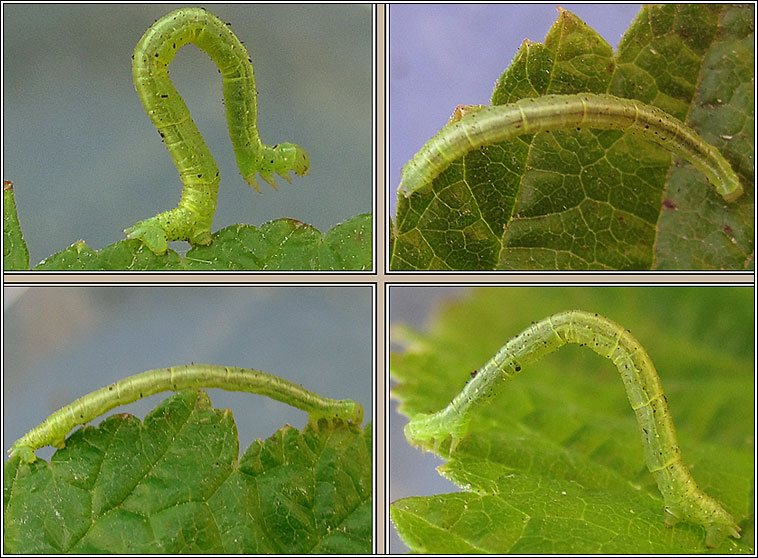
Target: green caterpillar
{"points": [[191, 219], [474, 127], [54, 429], [683, 500]]}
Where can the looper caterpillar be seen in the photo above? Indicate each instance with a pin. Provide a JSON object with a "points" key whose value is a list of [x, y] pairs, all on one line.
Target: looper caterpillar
{"points": [[478, 126], [191, 219], [54, 429], [683, 500]]}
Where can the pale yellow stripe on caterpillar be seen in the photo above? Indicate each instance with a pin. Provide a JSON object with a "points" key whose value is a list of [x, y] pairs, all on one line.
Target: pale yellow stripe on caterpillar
{"points": [[54, 429], [191, 220], [683, 500], [481, 126]]}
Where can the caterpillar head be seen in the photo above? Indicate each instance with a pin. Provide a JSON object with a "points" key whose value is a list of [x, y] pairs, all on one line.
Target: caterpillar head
{"points": [[24, 453]]}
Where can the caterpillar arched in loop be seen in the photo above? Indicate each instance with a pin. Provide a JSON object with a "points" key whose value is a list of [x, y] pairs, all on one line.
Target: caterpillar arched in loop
{"points": [[474, 127], [683, 500], [54, 429], [191, 219]]}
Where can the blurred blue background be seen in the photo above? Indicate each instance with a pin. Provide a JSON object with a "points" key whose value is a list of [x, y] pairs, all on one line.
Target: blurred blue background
{"points": [[87, 162], [413, 307], [442, 56], [63, 342]]}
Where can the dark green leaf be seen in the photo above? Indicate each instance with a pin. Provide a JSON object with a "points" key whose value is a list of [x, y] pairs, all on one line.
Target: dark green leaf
{"points": [[282, 245], [174, 484]]}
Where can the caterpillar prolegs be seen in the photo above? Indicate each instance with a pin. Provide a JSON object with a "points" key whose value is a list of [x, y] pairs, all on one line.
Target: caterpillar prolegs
{"points": [[191, 219], [683, 500], [54, 429], [478, 126]]}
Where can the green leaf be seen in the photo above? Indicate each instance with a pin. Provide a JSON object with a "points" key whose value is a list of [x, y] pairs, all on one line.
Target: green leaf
{"points": [[174, 484], [283, 244], [15, 253], [528, 204], [554, 462]]}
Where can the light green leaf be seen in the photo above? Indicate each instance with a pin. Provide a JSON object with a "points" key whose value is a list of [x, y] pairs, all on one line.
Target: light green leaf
{"points": [[15, 253], [554, 462], [601, 199], [174, 484]]}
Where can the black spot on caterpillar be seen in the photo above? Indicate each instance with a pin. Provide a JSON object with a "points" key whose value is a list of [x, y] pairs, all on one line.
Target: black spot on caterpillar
{"points": [[683, 500], [54, 429], [477, 126], [191, 220]]}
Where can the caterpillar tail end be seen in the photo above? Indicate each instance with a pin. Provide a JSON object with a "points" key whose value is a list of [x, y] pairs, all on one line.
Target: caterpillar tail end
{"points": [[152, 235], [407, 193], [179, 223], [429, 432], [412, 180], [404, 190], [24, 453]]}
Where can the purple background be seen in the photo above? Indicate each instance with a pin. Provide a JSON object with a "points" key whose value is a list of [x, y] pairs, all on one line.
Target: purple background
{"points": [[442, 56]]}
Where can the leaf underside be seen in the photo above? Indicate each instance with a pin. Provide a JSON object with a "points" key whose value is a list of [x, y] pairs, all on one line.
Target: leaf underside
{"points": [[184, 490], [603, 200]]}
